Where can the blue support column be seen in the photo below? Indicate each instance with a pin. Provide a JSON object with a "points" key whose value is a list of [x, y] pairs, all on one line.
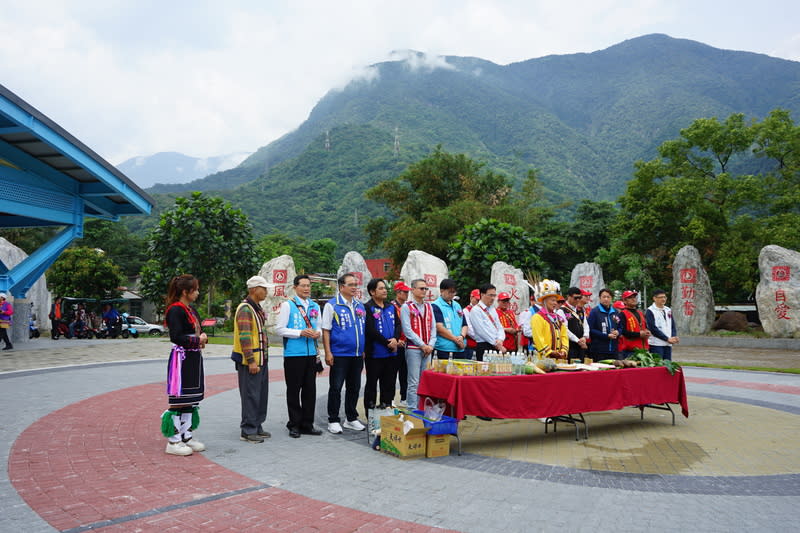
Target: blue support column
{"points": [[19, 279]]}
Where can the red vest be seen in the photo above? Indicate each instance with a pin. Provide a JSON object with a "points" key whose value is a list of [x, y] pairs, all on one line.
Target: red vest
{"points": [[420, 323], [633, 322]]}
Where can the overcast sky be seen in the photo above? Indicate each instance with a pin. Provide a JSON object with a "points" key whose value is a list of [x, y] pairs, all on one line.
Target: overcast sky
{"points": [[206, 78]]}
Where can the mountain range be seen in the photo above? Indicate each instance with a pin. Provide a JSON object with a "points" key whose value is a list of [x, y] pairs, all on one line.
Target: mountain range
{"points": [[582, 120], [174, 167]]}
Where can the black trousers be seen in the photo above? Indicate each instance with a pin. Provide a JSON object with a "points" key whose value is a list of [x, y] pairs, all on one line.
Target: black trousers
{"points": [[254, 392], [346, 371], [481, 348], [576, 352], [4, 337], [381, 370], [300, 374]]}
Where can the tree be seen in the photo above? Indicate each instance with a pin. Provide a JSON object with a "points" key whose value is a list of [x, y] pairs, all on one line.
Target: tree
{"points": [[203, 236], [726, 187], [432, 201], [120, 245], [85, 273], [309, 256], [480, 245]]}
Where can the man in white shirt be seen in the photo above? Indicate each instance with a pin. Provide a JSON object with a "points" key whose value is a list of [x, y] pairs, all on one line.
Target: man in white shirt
{"points": [[525, 320], [300, 325], [484, 324]]}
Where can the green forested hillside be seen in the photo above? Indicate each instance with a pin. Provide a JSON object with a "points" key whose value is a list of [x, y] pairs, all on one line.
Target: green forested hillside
{"points": [[581, 120]]}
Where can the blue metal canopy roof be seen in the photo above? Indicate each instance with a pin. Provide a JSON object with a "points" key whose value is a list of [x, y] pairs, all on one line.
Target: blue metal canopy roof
{"points": [[50, 178]]}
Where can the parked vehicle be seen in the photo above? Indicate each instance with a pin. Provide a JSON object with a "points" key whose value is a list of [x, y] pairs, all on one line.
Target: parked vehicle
{"points": [[145, 328]]}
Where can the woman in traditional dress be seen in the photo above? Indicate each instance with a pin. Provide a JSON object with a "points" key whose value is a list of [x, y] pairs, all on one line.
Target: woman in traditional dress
{"points": [[185, 376]]}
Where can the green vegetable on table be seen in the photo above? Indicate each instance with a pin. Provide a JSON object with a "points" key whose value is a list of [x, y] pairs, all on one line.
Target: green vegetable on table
{"points": [[645, 358]]}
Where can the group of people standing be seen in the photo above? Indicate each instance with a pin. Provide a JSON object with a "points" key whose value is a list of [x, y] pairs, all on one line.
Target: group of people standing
{"points": [[396, 338]]}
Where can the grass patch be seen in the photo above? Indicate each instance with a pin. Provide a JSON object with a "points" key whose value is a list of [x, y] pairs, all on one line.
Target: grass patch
{"points": [[220, 340], [751, 368]]}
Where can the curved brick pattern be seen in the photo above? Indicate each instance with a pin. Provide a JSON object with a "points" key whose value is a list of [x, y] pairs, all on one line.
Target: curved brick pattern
{"points": [[108, 465]]}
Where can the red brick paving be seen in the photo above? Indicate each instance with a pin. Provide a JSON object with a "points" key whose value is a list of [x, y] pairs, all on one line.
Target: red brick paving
{"points": [[785, 389], [109, 463]]}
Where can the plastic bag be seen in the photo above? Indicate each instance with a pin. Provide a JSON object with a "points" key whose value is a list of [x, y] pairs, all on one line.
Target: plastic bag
{"points": [[434, 411]]}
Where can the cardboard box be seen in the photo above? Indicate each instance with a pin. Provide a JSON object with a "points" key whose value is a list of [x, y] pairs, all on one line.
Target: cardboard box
{"points": [[395, 441], [437, 446]]}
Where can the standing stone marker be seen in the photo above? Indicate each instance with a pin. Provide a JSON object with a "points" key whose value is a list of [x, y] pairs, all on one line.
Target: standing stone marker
{"points": [[587, 276], [279, 273], [422, 265], [511, 280], [778, 291], [353, 263], [692, 299]]}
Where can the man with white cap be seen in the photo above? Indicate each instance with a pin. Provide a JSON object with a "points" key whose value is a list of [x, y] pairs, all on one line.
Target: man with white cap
{"points": [[250, 354]]}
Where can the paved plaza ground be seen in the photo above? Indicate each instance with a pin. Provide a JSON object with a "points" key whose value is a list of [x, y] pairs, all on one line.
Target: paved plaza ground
{"points": [[79, 435]]}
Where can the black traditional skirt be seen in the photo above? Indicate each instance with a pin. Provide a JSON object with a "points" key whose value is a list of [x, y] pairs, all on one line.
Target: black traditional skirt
{"points": [[185, 376]]}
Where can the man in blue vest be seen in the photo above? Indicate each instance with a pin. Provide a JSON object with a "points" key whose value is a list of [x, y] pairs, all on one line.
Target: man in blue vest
{"points": [[343, 321], [451, 328], [300, 325]]}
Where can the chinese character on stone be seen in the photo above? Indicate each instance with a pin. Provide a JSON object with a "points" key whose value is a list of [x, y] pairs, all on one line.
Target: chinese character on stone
{"points": [[586, 282], [688, 308], [511, 279], [430, 280], [280, 290], [279, 276], [687, 293], [781, 273], [688, 275], [782, 311]]}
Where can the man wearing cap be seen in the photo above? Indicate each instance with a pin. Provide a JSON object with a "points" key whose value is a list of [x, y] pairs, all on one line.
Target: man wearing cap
{"points": [[484, 323], [577, 326], [633, 325], [474, 298], [451, 329], [250, 355], [6, 311], [548, 327], [586, 298], [400, 296], [508, 320], [300, 325]]}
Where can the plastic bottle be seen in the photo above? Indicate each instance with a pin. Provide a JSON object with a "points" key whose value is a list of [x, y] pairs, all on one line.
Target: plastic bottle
{"points": [[435, 363], [450, 367]]}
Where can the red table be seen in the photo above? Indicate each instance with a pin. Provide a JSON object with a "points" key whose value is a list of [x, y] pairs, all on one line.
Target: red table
{"points": [[554, 394]]}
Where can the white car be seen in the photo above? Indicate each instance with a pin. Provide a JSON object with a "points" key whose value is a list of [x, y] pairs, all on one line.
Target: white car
{"points": [[145, 328]]}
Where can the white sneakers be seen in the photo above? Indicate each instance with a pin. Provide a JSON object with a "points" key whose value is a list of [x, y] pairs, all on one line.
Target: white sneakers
{"points": [[185, 448], [355, 425], [178, 448], [195, 445]]}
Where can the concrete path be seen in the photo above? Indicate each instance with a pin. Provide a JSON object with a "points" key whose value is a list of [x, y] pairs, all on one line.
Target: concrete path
{"points": [[79, 437]]}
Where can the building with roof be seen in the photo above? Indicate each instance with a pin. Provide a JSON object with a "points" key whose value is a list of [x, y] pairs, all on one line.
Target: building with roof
{"points": [[50, 178]]}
